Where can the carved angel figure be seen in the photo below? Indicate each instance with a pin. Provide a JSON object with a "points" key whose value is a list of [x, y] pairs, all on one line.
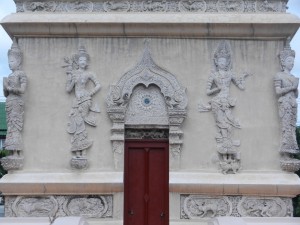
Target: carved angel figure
{"points": [[218, 85], [286, 88], [78, 79], [14, 87]]}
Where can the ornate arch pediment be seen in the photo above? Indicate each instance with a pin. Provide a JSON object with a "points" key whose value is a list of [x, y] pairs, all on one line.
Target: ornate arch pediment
{"points": [[146, 72]]}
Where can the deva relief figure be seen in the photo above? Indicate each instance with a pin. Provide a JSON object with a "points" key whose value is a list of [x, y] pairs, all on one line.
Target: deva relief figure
{"points": [[14, 87], [221, 104], [83, 110], [286, 88]]}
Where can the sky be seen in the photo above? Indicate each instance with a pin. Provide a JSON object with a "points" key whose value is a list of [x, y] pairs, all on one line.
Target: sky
{"points": [[8, 6]]}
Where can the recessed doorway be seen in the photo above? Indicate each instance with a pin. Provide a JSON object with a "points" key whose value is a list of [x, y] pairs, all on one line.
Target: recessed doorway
{"points": [[146, 180]]}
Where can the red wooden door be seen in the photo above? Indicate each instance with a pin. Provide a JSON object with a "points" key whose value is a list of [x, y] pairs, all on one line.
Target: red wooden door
{"points": [[146, 183]]}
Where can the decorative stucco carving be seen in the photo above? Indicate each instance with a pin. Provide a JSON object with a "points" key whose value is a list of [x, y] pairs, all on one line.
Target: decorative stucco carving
{"points": [[146, 134], [230, 6], [94, 206], [79, 6], [89, 207], [147, 106], [268, 6], [117, 6], [195, 6], [286, 88], [155, 6], [49, 6], [197, 206], [262, 207], [146, 91], [192, 6], [35, 206], [83, 110], [250, 6], [200, 206], [14, 87], [222, 105]]}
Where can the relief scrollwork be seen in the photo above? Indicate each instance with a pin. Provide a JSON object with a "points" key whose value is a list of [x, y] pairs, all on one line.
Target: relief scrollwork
{"points": [[40, 6], [88, 207], [221, 105], [262, 207], [155, 6], [192, 6], [250, 5], [195, 6], [197, 207], [230, 6], [80, 6], [116, 6], [35, 206], [268, 6]]}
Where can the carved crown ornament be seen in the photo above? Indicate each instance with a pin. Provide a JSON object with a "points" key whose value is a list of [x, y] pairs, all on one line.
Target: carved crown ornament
{"points": [[145, 90], [192, 6]]}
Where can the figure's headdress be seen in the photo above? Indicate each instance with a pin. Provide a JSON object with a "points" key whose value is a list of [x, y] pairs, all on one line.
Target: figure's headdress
{"points": [[82, 53], [223, 51], [286, 52], [15, 50]]}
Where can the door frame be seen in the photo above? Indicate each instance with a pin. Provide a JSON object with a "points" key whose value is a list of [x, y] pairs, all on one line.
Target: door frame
{"points": [[148, 142]]}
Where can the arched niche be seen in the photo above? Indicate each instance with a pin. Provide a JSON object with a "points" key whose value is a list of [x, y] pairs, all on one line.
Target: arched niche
{"points": [[147, 78]]}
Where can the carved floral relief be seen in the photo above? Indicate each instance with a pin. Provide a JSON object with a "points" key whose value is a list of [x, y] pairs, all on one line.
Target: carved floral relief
{"points": [[263, 207], [35, 206], [200, 206], [195, 6], [197, 206], [92, 206]]}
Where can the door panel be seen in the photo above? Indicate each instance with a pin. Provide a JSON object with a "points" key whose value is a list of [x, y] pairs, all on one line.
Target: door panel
{"points": [[146, 183]]}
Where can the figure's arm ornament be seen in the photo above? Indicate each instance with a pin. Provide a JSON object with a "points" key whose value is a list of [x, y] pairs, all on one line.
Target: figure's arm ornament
{"points": [[209, 89], [282, 91], [97, 84], [70, 81]]}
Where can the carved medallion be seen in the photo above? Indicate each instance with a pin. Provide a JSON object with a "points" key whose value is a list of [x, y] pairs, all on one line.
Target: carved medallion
{"points": [[48, 6], [268, 6], [262, 207], [89, 207], [147, 106], [79, 6], [35, 206], [250, 5], [197, 206], [230, 5], [155, 6], [192, 6], [116, 6]]}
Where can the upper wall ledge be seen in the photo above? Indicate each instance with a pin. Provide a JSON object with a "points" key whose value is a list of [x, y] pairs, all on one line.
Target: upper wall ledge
{"points": [[194, 6]]}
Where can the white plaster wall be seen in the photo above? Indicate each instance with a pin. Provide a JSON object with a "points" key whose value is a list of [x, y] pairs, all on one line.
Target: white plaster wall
{"points": [[47, 144]]}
